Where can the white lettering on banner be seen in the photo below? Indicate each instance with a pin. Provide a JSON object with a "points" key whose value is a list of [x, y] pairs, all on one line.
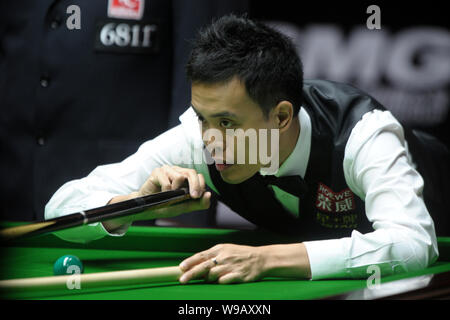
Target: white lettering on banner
{"points": [[432, 47], [327, 53], [408, 72]]}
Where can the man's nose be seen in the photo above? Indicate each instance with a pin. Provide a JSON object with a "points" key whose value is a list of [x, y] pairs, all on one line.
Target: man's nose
{"points": [[213, 141], [214, 147]]}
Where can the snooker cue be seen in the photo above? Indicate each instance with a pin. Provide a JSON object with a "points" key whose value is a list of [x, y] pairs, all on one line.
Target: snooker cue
{"points": [[111, 211], [92, 280]]}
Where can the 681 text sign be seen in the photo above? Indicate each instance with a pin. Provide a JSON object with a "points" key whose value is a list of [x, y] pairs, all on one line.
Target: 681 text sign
{"points": [[126, 37]]}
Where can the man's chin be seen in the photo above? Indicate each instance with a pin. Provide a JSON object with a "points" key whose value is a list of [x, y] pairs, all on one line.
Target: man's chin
{"points": [[235, 175]]}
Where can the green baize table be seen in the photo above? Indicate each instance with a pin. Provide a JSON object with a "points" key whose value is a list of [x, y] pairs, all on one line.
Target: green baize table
{"points": [[148, 247]]}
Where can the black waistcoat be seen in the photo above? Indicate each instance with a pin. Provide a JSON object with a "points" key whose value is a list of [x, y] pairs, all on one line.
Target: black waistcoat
{"points": [[329, 209]]}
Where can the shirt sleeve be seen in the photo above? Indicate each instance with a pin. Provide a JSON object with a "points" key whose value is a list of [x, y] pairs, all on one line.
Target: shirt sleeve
{"points": [[379, 169], [174, 147]]}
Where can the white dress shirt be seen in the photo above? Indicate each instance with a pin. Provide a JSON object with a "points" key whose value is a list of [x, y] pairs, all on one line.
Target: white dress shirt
{"points": [[377, 165]]}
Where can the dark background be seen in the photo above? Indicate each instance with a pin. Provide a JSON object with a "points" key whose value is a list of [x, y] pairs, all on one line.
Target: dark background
{"points": [[59, 133], [396, 17]]}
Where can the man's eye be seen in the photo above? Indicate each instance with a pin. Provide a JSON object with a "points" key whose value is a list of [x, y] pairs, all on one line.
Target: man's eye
{"points": [[200, 118], [226, 124]]}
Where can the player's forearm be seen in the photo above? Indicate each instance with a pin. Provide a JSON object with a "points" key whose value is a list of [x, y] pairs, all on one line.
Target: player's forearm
{"points": [[157, 213], [115, 224], [286, 260]]}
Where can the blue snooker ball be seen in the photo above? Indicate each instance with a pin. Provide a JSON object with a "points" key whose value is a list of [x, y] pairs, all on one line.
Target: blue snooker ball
{"points": [[63, 265]]}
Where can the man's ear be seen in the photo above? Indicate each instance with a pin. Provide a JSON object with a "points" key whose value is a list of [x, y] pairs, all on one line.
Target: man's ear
{"points": [[284, 113]]}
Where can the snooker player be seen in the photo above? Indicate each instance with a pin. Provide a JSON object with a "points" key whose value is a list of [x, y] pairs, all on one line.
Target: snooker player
{"points": [[352, 182]]}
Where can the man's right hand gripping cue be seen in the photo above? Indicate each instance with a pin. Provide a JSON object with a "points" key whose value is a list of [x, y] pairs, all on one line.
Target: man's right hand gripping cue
{"points": [[165, 178]]}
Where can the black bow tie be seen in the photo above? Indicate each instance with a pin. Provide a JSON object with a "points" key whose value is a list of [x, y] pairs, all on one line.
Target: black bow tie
{"points": [[294, 185]]}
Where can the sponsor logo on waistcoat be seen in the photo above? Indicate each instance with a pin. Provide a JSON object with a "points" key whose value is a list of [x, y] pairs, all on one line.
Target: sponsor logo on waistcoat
{"points": [[335, 209]]}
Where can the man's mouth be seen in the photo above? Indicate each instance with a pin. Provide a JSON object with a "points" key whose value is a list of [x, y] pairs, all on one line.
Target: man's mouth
{"points": [[222, 165]]}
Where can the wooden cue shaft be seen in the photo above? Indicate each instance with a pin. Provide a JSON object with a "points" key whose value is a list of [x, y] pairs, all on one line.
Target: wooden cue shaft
{"points": [[104, 213], [92, 280]]}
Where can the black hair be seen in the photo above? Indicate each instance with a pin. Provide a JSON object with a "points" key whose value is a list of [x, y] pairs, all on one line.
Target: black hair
{"points": [[265, 60]]}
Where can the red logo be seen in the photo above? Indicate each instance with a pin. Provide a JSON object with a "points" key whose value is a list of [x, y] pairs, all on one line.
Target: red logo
{"points": [[126, 9], [334, 202]]}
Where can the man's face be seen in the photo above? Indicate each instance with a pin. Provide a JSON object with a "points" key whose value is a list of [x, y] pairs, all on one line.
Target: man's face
{"points": [[224, 108]]}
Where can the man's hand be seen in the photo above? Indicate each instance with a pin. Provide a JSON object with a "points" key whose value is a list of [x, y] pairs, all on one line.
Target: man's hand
{"points": [[161, 179], [230, 263], [168, 178], [225, 263]]}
